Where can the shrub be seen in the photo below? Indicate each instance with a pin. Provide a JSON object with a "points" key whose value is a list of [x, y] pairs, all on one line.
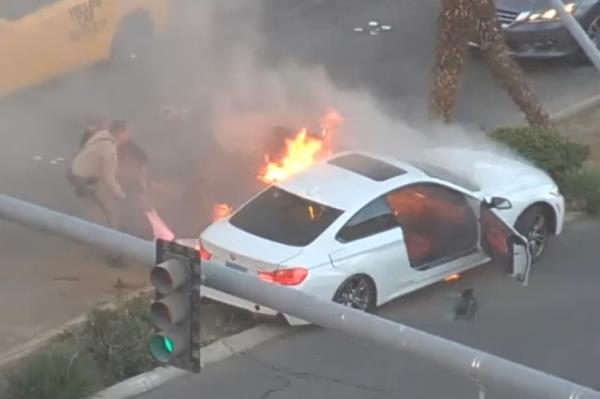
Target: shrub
{"points": [[546, 148], [117, 340], [62, 371], [582, 189]]}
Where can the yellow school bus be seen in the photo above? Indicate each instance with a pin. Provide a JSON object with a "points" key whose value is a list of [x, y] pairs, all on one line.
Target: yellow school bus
{"points": [[43, 39]]}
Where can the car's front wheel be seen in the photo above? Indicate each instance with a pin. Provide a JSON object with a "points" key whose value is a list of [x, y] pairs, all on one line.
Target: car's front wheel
{"points": [[357, 292], [534, 225]]}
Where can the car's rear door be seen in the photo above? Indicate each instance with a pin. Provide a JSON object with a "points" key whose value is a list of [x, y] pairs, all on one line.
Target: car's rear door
{"points": [[372, 242], [504, 244]]}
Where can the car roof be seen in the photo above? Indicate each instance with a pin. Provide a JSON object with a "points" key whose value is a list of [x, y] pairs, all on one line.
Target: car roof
{"points": [[341, 183]]}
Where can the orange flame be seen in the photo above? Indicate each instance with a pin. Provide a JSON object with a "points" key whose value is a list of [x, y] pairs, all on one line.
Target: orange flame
{"points": [[452, 277], [301, 153], [221, 211]]}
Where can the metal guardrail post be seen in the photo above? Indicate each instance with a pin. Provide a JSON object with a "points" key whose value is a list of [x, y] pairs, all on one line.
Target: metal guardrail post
{"points": [[588, 46], [489, 371]]}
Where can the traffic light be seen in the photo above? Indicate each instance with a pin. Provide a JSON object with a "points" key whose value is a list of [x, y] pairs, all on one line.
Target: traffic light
{"points": [[175, 311]]}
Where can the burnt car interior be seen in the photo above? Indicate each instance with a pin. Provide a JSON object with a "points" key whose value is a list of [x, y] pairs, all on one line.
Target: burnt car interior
{"points": [[438, 223]]}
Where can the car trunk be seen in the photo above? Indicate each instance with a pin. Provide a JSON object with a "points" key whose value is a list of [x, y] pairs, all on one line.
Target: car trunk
{"points": [[245, 252]]}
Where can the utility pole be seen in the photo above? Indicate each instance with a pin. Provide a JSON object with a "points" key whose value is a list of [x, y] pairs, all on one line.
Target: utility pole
{"points": [[588, 46]]}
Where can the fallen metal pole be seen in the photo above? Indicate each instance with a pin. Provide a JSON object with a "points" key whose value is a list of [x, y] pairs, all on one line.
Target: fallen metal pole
{"points": [[486, 370], [578, 33]]}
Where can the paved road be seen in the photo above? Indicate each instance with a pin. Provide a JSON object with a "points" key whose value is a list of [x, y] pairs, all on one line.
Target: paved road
{"points": [[551, 325], [192, 64]]}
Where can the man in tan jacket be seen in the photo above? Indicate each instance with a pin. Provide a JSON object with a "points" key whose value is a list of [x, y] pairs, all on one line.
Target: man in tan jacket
{"points": [[93, 174]]}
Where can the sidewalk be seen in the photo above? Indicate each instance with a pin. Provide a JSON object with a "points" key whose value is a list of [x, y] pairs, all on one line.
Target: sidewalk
{"points": [[45, 281]]}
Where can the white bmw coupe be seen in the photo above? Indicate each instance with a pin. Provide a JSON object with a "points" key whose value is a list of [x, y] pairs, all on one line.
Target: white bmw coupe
{"points": [[363, 229]]}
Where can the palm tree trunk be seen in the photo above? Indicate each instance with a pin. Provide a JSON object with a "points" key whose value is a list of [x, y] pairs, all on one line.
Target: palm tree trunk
{"points": [[504, 68], [453, 31]]}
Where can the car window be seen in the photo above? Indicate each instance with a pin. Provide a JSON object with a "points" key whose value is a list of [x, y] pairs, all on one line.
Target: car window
{"points": [[374, 218], [17, 9], [444, 174], [283, 217]]}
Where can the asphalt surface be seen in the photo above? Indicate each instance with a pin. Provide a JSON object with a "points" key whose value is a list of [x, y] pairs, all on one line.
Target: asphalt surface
{"points": [[549, 325]]}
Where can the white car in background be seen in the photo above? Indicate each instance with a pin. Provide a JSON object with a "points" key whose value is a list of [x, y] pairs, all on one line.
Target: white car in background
{"points": [[363, 229]]}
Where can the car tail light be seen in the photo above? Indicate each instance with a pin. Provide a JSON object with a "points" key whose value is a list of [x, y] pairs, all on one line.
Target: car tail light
{"points": [[204, 254], [292, 276]]}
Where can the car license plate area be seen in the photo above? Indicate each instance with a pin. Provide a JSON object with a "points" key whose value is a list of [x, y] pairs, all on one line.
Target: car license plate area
{"points": [[236, 267]]}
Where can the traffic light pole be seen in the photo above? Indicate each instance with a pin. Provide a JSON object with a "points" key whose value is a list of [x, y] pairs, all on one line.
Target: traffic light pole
{"points": [[487, 370], [582, 38]]}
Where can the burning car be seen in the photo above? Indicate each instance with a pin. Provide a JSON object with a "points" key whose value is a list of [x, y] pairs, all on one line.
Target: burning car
{"points": [[362, 229]]}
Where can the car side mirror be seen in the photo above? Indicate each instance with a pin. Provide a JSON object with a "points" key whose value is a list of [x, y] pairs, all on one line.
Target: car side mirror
{"points": [[499, 203]]}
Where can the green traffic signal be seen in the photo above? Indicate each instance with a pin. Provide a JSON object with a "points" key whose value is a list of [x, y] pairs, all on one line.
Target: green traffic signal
{"points": [[168, 344], [161, 348]]}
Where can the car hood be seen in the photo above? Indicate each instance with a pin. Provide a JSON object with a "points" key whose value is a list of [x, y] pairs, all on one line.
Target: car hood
{"points": [[522, 5], [493, 173], [228, 243]]}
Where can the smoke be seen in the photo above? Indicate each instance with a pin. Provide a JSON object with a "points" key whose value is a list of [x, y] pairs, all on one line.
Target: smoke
{"points": [[215, 68], [252, 94], [244, 93]]}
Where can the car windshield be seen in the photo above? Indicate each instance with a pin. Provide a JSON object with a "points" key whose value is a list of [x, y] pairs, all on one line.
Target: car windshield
{"points": [[283, 217], [441, 173]]}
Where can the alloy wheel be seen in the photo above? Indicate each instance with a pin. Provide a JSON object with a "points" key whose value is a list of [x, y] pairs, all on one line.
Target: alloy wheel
{"points": [[357, 293], [536, 236]]}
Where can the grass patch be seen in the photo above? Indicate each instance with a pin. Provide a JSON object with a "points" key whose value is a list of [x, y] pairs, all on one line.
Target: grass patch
{"points": [[62, 371], [109, 347], [582, 190]]}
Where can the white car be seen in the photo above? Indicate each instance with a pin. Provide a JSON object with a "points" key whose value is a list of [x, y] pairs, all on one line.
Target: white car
{"points": [[363, 229]]}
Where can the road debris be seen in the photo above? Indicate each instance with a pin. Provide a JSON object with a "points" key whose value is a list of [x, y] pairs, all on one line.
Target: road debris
{"points": [[466, 306], [66, 278], [374, 28]]}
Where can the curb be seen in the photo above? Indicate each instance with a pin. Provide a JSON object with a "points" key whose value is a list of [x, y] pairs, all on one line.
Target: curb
{"points": [[576, 108], [564, 113], [213, 353], [35, 343]]}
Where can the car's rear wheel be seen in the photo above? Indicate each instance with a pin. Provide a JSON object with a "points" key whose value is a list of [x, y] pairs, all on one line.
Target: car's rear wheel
{"points": [[357, 292], [534, 224]]}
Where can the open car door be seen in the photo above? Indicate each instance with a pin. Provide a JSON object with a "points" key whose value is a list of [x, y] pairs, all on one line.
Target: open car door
{"points": [[504, 244]]}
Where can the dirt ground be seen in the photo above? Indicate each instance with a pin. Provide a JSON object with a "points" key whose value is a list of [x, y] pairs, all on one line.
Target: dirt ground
{"points": [[42, 288], [584, 127]]}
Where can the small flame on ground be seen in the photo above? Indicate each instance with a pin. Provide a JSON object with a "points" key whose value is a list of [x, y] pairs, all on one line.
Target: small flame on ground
{"points": [[221, 211], [300, 154], [452, 277]]}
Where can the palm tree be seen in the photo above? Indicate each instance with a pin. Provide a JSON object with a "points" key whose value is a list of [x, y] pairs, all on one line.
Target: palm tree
{"points": [[459, 21], [453, 24], [504, 68]]}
